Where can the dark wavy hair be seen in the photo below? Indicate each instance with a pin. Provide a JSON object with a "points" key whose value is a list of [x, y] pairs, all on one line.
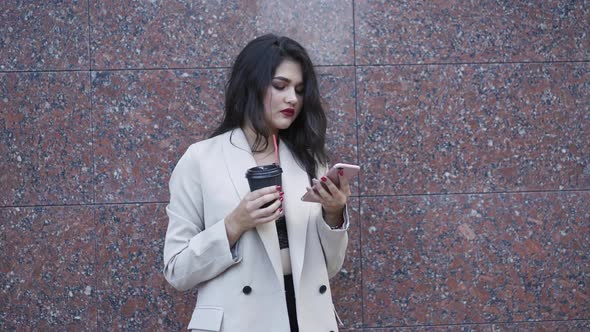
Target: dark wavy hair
{"points": [[250, 77]]}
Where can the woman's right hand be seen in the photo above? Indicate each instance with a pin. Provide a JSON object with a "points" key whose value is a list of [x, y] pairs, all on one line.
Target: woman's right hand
{"points": [[249, 214]]}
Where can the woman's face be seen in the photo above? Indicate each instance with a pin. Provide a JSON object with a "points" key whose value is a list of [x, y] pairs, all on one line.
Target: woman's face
{"points": [[284, 97]]}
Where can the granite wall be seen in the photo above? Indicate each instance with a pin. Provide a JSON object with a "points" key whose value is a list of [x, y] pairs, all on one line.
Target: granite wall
{"points": [[471, 120]]}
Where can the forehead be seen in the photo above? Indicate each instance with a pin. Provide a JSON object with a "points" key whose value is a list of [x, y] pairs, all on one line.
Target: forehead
{"points": [[290, 70]]}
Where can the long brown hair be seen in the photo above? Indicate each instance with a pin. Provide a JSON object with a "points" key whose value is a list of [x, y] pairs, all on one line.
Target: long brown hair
{"points": [[251, 75]]}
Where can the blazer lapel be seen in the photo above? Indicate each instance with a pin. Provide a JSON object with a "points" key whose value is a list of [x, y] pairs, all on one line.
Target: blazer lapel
{"points": [[297, 212], [238, 158]]}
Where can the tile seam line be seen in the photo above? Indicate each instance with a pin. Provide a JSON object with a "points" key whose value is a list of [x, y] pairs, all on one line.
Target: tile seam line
{"points": [[353, 196], [317, 66], [358, 158], [469, 63], [480, 323], [143, 69], [80, 205], [482, 193]]}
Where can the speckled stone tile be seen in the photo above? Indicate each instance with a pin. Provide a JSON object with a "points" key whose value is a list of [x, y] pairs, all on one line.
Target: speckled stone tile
{"points": [[438, 328], [44, 35], [418, 268], [534, 256], [47, 272], [346, 286], [399, 32], [145, 121], [568, 326], [45, 139], [474, 128], [182, 33], [337, 90], [131, 287], [460, 259]]}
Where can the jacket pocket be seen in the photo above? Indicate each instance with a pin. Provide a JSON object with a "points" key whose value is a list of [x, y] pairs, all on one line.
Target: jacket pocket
{"points": [[206, 318]]}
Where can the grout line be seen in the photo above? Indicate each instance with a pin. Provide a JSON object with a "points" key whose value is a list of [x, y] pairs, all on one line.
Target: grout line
{"points": [[479, 323], [471, 63], [482, 193], [89, 36], [96, 294], [356, 65], [358, 158], [81, 204], [584, 190]]}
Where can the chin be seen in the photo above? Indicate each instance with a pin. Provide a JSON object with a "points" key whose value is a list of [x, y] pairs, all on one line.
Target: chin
{"points": [[282, 125]]}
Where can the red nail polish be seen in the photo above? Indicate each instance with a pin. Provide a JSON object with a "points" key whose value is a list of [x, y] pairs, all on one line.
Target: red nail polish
{"points": [[341, 172], [281, 198], [279, 188], [324, 179], [280, 209], [281, 194]]}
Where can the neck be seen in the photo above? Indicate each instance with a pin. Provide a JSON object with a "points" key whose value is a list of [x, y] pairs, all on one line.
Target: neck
{"points": [[251, 138]]}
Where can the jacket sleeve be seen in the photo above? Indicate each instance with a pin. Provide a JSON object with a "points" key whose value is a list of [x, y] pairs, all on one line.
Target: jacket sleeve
{"points": [[193, 253], [334, 241]]}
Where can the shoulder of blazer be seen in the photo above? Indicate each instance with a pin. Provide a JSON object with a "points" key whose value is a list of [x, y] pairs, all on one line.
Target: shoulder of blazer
{"points": [[209, 145]]}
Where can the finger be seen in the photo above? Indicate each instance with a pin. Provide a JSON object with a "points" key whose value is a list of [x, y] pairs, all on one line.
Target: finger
{"points": [[331, 186], [276, 215], [344, 183], [264, 191], [314, 193], [266, 211], [322, 192], [265, 199]]}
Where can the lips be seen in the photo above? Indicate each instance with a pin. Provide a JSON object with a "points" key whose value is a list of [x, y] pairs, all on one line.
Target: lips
{"points": [[288, 112]]}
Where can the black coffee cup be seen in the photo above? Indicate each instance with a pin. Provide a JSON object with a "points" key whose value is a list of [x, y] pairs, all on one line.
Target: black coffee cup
{"points": [[264, 176]]}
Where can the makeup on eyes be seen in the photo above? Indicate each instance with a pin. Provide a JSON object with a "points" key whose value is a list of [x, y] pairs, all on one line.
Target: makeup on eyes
{"points": [[280, 83]]}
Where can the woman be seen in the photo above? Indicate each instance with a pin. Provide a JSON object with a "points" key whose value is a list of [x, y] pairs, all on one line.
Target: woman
{"points": [[252, 273]]}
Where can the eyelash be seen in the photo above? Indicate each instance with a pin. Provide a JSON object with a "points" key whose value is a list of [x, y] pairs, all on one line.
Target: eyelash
{"points": [[280, 88]]}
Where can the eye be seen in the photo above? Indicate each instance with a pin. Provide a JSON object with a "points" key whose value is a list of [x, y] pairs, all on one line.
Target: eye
{"points": [[278, 86], [300, 90]]}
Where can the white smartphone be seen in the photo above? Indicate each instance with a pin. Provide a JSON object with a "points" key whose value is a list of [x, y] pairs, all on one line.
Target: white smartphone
{"points": [[350, 171]]}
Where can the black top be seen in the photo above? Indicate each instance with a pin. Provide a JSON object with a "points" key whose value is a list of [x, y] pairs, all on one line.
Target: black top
{"points": [[282, 232]]}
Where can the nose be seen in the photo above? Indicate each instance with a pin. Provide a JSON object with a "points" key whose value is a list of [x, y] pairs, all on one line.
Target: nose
{"points": [[291, 97]]}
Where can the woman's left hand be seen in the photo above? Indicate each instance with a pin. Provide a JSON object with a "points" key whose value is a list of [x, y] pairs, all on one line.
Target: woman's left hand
{"points": [[332, 197]]}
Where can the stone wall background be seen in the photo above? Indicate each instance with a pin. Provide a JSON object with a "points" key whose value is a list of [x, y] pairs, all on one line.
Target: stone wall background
{"points": [[471, 120]]}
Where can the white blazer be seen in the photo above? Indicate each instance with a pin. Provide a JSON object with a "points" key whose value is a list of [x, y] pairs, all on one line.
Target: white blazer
{"points": [[242, 288]]}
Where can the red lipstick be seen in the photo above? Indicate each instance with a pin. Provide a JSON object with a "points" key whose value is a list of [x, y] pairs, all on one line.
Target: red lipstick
{"points": [[288, 112]]}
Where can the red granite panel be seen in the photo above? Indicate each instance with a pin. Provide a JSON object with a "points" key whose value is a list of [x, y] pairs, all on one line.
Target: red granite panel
{"points": [[474, 128], [45, 139], [44, 35], [47, 269], [534, 256], [438, 328], [145, 120], [184, 33], [419, 262], [401, 32], [563, 326], [346, 286], [132, 290], [337, 90], [460, 259]]}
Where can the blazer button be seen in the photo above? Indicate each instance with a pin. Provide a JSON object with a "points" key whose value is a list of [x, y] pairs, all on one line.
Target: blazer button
{"points": [[247, 290], [323, 289]]}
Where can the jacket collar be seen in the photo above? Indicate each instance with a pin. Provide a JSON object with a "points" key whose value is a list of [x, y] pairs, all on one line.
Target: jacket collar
{"points": [[238, 158]]}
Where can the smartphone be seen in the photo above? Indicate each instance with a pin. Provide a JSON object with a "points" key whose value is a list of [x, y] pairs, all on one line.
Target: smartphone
{"points": [[350, 171]]}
